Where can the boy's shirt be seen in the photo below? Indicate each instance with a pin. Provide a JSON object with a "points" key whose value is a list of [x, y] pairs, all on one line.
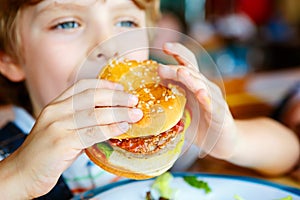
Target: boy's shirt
{"points": [[83, 174]]}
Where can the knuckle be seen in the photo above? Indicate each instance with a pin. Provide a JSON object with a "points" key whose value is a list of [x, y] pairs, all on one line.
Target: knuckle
{"points": [[58, 134], [48, 111], [55, 126]]}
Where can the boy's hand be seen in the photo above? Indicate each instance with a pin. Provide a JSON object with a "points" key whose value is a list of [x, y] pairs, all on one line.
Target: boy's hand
{"points": [[89, 112], [216, 129]]}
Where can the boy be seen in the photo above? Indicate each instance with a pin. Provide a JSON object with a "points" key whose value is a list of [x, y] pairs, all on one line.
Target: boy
{"points": [[44, 42]]}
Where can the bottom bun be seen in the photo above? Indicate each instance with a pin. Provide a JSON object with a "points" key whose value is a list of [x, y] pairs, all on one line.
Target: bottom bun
{"points": [[139, 166]]}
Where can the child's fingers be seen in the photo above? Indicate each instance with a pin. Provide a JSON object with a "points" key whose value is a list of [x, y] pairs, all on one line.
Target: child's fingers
{"points": [[91, 98], [91, 135], [182, 54], [101, 116], [187, 73], [103, 123], [86, 84], [92, 125], [165, 71], [191, 79], [198, 86], [194, 81]]}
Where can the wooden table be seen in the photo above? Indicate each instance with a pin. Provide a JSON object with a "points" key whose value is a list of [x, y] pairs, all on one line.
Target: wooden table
{"points": [[257, 94]]}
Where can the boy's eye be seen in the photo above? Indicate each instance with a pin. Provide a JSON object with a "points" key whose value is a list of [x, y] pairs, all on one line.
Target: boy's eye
{"points": [[127, 24], [67, 25]]}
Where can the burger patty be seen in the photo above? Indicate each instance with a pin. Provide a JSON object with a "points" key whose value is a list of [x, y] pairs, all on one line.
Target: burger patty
{"points": [[149, 144]]}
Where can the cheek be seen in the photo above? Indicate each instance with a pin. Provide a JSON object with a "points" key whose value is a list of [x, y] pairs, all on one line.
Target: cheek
{"points": [[45, 83], [48, 72]]}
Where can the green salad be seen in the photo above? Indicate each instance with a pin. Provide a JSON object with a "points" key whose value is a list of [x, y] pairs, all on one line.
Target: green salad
{"points": [[161, 188]]}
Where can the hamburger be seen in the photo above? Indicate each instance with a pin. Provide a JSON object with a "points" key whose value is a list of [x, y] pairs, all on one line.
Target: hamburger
{"points": [[152, 145]]}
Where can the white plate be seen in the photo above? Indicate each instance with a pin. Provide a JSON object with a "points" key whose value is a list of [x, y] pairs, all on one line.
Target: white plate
{"points": [[224, 187]]}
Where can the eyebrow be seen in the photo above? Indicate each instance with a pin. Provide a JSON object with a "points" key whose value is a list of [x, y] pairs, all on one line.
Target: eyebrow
{"points": [[60, 6], [128, 3]]}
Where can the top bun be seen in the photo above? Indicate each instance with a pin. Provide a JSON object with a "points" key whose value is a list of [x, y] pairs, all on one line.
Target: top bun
{"points": [[162, 106]]}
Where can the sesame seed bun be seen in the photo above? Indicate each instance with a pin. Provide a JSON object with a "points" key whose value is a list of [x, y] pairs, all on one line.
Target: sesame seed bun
{"points": [[151, 146], [162, 106]]}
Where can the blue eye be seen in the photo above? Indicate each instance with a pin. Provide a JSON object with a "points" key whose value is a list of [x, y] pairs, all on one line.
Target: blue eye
{"points": [[126, 24], [67, 25]]}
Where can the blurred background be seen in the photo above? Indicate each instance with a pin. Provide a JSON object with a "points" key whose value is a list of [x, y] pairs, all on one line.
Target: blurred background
{"points": [[241, 35], [254, 43]]}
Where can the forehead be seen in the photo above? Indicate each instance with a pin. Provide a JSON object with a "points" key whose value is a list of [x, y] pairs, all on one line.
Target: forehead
{"points": [[55, 6], [44, 4]]}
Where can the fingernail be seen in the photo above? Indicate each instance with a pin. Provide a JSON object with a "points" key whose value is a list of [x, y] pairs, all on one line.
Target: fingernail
{"points": [[124, 126], [133, 100], [136, 114], [119, 87]]}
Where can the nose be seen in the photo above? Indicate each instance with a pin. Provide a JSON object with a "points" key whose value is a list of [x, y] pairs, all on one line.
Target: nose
{"points": [[102, 54], [122, 45], [104, 45], [104, 51], [101, 50]]}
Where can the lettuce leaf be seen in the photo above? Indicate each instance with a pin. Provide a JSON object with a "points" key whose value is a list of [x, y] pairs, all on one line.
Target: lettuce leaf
{"points": [[238, 197], [105, 148], [286, 198], [162, 185], [194, 182]]}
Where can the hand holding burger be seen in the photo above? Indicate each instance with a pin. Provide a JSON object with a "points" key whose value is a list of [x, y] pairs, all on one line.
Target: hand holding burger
{"points": [[152, 145]]}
